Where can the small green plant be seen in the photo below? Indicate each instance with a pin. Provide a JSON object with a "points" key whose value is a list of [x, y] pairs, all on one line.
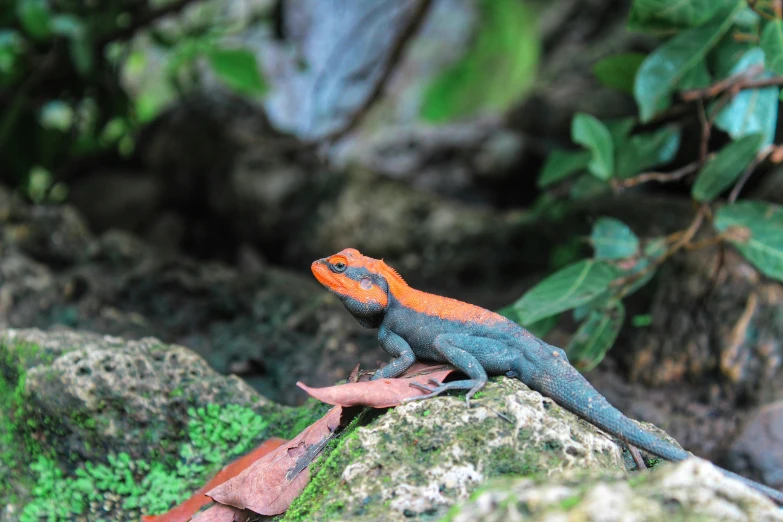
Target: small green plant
{"points": [[218, 431], [215, 434]]}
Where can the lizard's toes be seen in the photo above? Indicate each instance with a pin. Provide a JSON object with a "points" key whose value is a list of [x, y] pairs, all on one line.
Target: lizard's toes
{"points": [[422, 388], [435, 383]]}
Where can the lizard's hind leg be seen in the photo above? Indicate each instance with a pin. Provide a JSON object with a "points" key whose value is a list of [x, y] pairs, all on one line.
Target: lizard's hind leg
{"points": [[464, 352]]}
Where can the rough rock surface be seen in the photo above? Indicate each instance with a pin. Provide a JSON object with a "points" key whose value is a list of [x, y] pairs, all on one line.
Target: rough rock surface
{"points": [[418, 459], [758, 450], [136, 393], [693, 490], [271, 325]]}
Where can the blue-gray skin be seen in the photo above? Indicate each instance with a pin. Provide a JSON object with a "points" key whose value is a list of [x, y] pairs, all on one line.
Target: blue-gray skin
{"points": [[478, 344]]}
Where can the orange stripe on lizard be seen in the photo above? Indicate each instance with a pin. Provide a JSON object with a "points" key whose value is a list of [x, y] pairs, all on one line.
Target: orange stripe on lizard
{"points": [[423, 302]]}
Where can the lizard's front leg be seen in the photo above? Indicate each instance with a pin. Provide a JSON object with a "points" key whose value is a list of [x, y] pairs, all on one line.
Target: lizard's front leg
{"points": [[398, 348]]}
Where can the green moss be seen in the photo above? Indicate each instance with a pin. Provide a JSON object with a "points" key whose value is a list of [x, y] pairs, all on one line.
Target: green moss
{"points": [[217, 432], [18, 441], [288, 422], [215, 435], [570, 502], [325, 473]]}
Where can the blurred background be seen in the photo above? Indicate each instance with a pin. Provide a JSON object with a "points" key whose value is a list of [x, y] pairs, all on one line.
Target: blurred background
{"points": [[172, 168]]}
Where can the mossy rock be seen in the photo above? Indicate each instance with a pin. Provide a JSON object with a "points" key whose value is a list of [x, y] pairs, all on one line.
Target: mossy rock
{"points": [[414, 462], [96, 427], [693, 490], [95, 391]]}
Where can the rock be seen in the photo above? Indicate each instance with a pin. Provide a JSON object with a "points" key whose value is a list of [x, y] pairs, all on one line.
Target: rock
{"points": [[758, 450], [95, 427], [273, 326], [116, 199], [57, 235], [134, 393], [451, 160], [417, 460], [689, 490], [726, 330]]}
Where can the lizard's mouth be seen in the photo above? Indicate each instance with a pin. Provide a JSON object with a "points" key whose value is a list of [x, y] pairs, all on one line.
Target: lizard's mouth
{"points": [[325, 276]]}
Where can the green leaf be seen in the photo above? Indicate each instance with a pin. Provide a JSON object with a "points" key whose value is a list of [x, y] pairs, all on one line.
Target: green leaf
{"points": [[758, 234], [772, 43], [560, 164], [663, 69], [674, 14], [237, 68], [588, 186], [34, 17], [613, 239], [697, 78], [751, 111], [596, 335], [589, 132], [720, 172], [641, 320], [645, 151], [619, 129], [80, 48], [618, 71], [496, 70], [726, 55], [10, 48], [567, 288]]}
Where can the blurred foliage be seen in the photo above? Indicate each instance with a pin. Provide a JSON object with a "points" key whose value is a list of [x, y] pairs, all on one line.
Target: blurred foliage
{"points": [[73, 83], [497, 69], [710, 45], [80, 78]]}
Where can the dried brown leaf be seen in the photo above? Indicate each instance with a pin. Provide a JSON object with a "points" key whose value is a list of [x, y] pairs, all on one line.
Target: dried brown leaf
{"points": [[183, 511], [270, 485], [222, 513], [382, 393]]}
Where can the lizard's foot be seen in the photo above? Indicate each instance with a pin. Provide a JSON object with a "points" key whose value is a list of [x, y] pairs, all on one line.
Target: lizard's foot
{"points": [[470, 384]]}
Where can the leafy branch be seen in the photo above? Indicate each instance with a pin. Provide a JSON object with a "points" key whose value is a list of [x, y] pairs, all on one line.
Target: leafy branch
{"points": [[732, 85]]}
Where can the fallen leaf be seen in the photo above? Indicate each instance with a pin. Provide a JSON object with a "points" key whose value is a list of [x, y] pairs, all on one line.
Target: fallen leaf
{"points": [[354, 375], [185, 510], [270, 484], [222, 513], [382, 393]]}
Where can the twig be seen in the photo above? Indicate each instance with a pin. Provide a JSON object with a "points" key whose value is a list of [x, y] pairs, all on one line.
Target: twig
{"points": [[681, 239], [660, 177], [141, 22], [637, 456], [395, 55], [752, 5], [733, 84], [706, 130], [761, 156]]}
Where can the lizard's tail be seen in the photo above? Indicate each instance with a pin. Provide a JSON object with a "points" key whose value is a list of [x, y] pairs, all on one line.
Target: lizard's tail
{"points": [[548, 371]]}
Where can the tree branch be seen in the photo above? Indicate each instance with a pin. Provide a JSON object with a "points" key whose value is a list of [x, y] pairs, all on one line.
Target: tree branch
{"points": [[141, 22], [761, 156], [734, 84], [404, 37], [660, 177]]}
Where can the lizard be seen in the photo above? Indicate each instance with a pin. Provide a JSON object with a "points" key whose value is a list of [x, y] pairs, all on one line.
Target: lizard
{"points": [[415, 325]]}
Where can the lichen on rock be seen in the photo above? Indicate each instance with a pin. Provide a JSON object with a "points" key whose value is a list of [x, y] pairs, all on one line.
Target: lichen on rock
{"points": [[690, 490]]}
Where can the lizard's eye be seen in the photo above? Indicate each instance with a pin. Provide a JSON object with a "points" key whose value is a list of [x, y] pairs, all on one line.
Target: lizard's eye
{"points": [[339, 267]]}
